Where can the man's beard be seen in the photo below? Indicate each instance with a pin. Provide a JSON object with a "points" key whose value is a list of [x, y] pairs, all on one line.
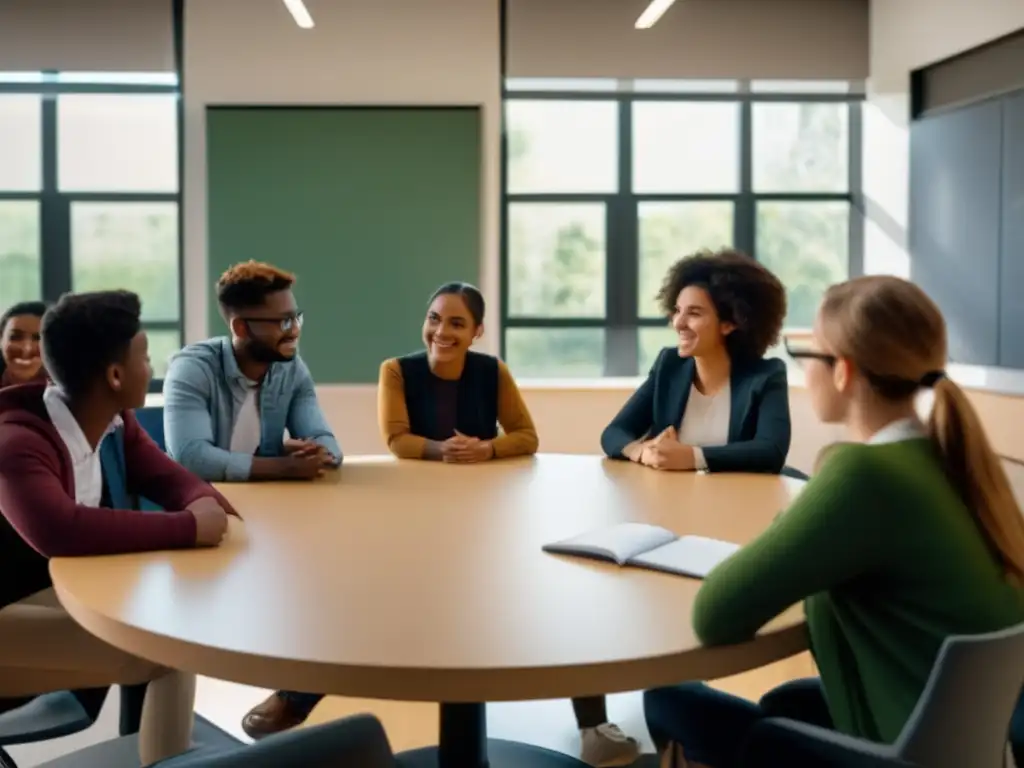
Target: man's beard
{"points": [[261, 352]]}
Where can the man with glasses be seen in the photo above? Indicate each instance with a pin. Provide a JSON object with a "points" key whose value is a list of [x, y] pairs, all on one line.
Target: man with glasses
{"points": [[229, 400]]}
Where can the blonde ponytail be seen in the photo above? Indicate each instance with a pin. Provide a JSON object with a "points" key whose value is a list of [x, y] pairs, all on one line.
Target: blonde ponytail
{"points": [[976, 472]]}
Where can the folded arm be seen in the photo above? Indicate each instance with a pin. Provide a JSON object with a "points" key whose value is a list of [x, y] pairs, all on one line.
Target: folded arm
{"points": [[34, 501], [305, 419], [520, 438], [623, 437], [767, 451], [152, 473], [393, 417], [827, 537], [188, 427]]}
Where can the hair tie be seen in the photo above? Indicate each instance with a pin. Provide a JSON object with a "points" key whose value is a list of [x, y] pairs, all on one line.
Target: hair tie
{"points": [[932, 378]]}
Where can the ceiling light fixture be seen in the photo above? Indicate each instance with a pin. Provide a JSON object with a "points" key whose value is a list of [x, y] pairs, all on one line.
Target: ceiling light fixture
{"points": [[653, 12], [299, 13]]}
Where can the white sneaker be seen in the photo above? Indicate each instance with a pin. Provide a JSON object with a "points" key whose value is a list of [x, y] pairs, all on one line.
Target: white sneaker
{"points": [[606, 746]]}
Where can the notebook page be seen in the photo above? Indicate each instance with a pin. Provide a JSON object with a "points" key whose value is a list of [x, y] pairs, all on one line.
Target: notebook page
{"points": [[688, 556]]}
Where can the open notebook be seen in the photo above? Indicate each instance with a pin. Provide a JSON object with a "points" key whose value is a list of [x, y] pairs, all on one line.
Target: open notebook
{"points": [[648, 546]]}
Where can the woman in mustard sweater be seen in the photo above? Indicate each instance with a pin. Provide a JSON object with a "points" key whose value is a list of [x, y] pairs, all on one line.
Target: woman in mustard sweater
{"points": [[906, 535], [445, 404]]}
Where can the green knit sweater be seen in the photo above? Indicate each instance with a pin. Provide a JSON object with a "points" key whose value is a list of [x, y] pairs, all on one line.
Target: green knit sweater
{"points": [[889, 562]]}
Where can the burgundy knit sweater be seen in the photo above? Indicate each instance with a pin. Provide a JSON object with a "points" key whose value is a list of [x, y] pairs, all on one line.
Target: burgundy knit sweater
{"points": [[40, 517]]}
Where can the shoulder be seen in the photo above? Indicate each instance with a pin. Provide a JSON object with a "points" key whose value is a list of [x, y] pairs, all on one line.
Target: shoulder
{"points": [[391, 370], [668, 362], [197, 360], [764, 369], [482, 361], [23, 443]]}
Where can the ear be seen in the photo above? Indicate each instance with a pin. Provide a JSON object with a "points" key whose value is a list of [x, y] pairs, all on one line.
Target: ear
{"points": [[479, 332], [238, 327], [727, 328], [842, 374], [115, 377]]}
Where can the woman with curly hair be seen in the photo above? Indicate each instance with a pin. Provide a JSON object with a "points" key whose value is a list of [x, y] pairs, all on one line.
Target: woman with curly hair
{"points": [[713, 402]]}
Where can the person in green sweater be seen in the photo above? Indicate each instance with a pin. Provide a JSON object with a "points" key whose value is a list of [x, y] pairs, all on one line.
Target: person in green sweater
{"points": [[904, 536]]}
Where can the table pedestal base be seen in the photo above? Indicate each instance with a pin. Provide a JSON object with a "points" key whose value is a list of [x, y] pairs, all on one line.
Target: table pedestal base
{"points": [[463, 743]]}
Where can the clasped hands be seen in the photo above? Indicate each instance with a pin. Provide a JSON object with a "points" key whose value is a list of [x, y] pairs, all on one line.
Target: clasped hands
{"points": [[666, 452], [311, 459], [463, 449]]}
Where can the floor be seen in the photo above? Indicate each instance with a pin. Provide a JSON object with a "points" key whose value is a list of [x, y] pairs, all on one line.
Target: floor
{"points": [[546, 723]]}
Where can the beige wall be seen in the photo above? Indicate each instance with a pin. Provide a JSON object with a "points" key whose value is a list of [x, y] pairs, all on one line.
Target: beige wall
{"points": [[785, 39], [906, 35], [569, 419], [361, 52]]}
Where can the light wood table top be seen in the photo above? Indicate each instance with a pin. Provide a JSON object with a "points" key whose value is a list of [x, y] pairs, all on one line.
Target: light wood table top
{"points": [[421, 581]]}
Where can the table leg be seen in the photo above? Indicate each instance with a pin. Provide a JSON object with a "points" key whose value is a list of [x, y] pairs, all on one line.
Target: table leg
{"points": [[463, 743]]}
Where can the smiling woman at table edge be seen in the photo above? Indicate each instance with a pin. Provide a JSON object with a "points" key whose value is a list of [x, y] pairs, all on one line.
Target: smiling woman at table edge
{"points": [[713, 402], [904, 537], [71, 456], [20, 357]]}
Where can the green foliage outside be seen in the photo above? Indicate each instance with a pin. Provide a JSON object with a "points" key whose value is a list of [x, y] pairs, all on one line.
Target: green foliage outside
{"points": [[557, 251]]}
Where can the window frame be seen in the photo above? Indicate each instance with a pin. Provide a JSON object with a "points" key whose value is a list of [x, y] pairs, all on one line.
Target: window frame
{"points": [[55, 205], [622, 318]]}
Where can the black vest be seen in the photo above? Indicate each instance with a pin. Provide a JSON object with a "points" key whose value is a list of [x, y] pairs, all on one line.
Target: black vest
{"points": [[477, 396]]}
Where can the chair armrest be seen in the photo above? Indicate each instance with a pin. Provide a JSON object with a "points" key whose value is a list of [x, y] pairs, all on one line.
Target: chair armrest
{"points": [[353, 742], [778, 741]]}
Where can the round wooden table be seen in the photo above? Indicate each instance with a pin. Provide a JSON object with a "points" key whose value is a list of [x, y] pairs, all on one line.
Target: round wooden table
{"points": [[420, 581]]}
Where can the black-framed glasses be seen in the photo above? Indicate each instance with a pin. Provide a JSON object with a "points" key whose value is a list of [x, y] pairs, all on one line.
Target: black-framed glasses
{"points": [[286, 323], [806, 353]]}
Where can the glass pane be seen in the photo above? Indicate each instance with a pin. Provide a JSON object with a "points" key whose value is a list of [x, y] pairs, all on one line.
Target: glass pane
{"points": [[801, 147], [801, 86], [589, 84], [555, 353], [128, 245], [117, 143], [669, 231], [556, 265], [20, 272], [807, 246], [21, 142], [686, 147], [562, 146], [650, 342], [162, 344], [686, 86]]}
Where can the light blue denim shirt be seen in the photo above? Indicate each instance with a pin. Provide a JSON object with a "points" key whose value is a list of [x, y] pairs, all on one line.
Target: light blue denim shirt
{"points": [[203, 392]]}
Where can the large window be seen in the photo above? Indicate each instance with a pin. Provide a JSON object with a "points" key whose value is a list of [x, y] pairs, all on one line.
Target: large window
{"points": [[608, 182], [89, 193]]}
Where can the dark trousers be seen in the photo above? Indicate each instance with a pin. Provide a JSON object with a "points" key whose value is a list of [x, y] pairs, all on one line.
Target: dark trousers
{"points": [[711, 725], [302, 702]]}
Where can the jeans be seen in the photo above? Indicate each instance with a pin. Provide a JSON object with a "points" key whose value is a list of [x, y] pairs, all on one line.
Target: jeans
{"points": [[711, 725]]}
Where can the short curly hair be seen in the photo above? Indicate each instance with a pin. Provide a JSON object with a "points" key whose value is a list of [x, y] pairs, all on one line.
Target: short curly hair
{"points": [[84, 333], [248, 284], [744, 293]]}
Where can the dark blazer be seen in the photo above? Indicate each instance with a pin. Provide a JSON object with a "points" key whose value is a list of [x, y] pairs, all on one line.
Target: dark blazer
{"points": [[759, 427]]}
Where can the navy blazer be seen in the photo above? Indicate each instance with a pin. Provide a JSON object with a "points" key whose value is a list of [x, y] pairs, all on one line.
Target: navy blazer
{"points": [[759, 427]]}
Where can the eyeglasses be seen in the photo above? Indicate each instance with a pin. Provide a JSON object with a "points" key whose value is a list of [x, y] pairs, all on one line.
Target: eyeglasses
{"points": [[798, 354], [286, 323]]}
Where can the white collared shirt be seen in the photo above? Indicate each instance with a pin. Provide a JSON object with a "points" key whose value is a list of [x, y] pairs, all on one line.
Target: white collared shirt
{"points": [[898, 431], [86, 462]]}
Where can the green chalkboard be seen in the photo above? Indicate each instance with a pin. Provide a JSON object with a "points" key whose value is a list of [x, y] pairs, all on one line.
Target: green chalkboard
{"points": [[372, 208]]}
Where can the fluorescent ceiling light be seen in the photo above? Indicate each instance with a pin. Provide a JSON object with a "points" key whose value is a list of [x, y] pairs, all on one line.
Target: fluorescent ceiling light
{"points": [[653, 12], [299, 13]]}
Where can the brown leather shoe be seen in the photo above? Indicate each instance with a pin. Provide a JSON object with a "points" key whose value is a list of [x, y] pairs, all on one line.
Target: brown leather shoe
{"points": [[277, 713]]}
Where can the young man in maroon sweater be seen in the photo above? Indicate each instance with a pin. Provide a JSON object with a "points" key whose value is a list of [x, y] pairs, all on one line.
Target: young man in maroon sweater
{"points": [[72, 456]]}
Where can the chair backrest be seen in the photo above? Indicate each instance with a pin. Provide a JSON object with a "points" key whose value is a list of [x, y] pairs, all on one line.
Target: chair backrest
{"points": [[963, 715], [151, 419]]}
